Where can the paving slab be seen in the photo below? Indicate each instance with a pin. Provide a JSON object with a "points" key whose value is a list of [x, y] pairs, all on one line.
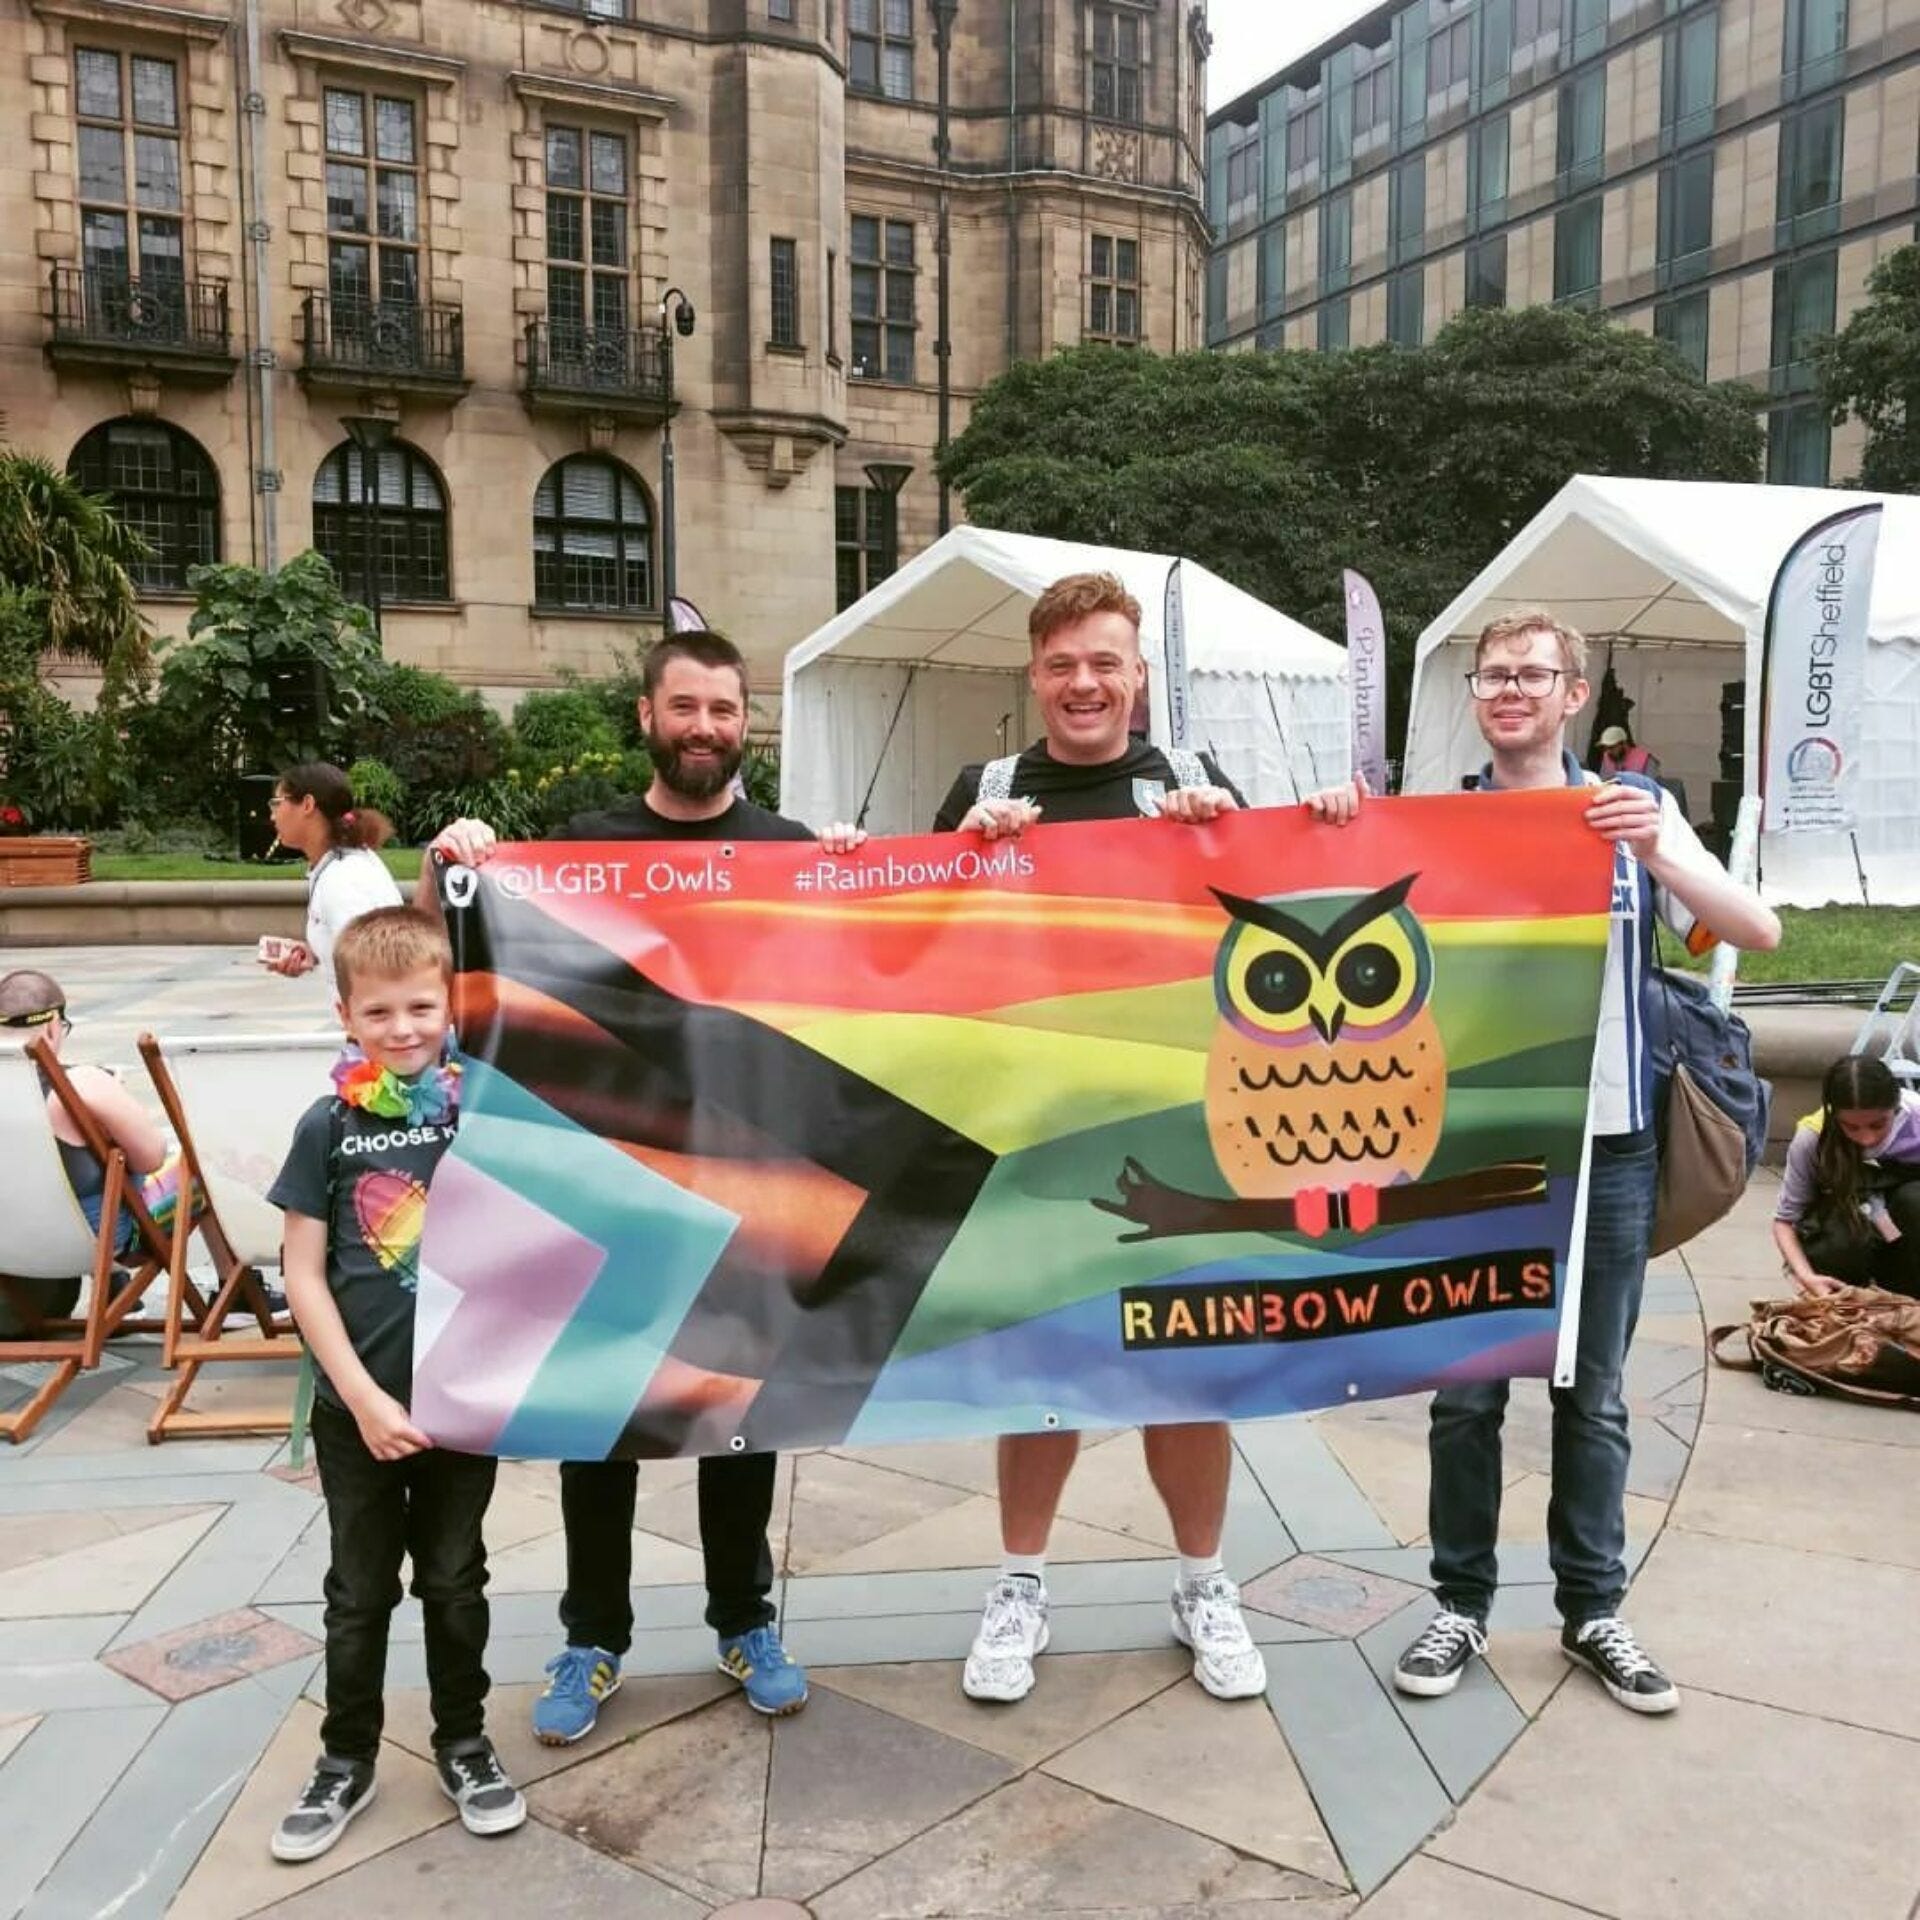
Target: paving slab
{"points": [[685, 1803], [1785, 1627], [14, 1728], [236, 1875], [1428, 1889], [841, 1505], [1074, 1694], [641, 1704], [850, 1783], [449, 1875], [1377, 1794], [962, 1534], [1702, 1794], [1308, 1487], [52, 1785], [111, 1574], [1740, 1400], [148, 1831], [1805, 1492], [1325, 1594], [1041, 1847], [1210, 1766]]}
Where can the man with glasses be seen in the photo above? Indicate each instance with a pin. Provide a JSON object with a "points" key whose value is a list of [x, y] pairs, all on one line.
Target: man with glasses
{"points": [[1528, 680]]}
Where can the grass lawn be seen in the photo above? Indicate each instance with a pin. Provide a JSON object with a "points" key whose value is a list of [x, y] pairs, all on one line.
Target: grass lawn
{"points": [[402, 862], [1836, 943]]}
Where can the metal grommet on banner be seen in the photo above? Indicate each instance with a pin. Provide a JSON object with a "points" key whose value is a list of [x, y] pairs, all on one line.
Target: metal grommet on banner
{"points": [[738, 1443], [1052, 1420], [726, 850], [1353, 1390]]}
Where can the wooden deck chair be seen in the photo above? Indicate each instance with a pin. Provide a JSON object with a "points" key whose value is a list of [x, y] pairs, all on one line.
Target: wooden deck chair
{"points": [[44, 1237], [232, 1104]]}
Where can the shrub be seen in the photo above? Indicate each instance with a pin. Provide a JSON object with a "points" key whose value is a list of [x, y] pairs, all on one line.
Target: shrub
{"points": [[560, 727], [760, 774], [503, 804], [617, 696], [67, 770], [376, 785], [413, 694]]}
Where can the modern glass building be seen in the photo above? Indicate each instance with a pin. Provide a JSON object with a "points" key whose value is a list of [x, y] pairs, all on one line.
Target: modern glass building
{"points": [[1724, 173]]}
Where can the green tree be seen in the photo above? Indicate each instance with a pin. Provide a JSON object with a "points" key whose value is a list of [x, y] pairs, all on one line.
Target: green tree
{"points": [[1279, 469], [276, 668], [1871, 368], [68, 553]]}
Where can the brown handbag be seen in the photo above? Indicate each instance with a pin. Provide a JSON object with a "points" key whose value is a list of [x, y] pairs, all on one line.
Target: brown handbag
{"points": [[1703, 1164], [1858, 1343]]}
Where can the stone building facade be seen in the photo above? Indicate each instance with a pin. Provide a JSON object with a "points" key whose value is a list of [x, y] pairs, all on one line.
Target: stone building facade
{"points": [[1724, 173], [229, 226]]}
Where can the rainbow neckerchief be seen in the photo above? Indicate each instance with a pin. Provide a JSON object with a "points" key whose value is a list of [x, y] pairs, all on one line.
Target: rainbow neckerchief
{"points": [[430, 1097]]}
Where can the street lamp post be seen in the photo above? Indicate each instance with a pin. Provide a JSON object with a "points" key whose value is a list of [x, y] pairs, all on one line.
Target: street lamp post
{"points": [[676, 306], [371, 434], [943, 16], [887, 478]]}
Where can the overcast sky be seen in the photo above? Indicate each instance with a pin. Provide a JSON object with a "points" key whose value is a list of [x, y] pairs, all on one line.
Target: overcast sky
{"points": [[1252, 38]]}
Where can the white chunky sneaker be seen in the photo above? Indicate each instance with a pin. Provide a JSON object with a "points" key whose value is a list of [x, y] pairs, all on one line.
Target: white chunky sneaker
{"points": [[1207, 1618], [1012, 1631]]}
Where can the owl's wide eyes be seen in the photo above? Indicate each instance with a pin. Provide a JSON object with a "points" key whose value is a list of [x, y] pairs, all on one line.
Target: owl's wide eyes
{"points": [[1368, 976], [1277, 982]]}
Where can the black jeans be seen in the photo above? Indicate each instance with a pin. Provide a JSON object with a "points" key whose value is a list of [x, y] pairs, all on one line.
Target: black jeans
{"points": [[1865, 1259], [1586, 1514], [596, 1500], [430, 1506]]}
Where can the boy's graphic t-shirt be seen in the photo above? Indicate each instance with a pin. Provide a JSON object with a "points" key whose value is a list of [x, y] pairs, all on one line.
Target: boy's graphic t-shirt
{"points": [[366, 1176]]}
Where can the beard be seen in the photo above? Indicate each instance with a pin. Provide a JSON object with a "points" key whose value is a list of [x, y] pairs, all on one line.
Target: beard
{"points": [[692, 782]]}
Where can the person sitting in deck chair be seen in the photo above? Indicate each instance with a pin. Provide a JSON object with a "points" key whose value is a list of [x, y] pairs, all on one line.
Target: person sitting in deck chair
{"points": [[32, 1003]]}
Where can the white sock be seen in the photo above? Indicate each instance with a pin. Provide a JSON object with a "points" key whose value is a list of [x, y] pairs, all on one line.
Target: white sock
{"points": [[1192, 1569], [1033, 1566]]}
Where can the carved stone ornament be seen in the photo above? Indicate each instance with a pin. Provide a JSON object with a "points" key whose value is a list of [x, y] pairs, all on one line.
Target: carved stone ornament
{"points": [[143, 393], [1116, 153], [365, 16], [588, 53]]}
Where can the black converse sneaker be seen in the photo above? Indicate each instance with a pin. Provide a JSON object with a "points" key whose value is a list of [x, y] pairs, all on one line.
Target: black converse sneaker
{"points": [[334, 1793], [1434, 1663], [472, 1777], [1607, 1648]]}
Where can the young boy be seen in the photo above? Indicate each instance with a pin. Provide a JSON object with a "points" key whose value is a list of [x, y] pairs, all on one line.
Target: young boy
{"points": [[354, 1191]]}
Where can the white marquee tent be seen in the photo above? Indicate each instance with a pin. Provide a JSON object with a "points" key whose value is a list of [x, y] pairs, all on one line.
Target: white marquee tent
{"points": [[1669, 580], [929, 671]]}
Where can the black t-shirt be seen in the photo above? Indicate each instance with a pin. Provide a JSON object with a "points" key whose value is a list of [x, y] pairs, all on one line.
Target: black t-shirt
{"points": [[633, 819], [366, 1176], [1122, 789]]}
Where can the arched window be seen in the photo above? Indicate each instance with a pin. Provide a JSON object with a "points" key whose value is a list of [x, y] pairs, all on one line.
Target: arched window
{"points": [[592, 537], [163, 487], [408, 514]]}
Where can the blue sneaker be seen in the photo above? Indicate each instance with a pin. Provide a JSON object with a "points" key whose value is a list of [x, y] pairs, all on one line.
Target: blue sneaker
{"points": [[583, 1678], [773, 1682]]}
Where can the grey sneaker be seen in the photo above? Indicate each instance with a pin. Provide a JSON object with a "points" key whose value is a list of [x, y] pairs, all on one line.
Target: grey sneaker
{"points": [[1434, 1663], [335, 1791], [1012, 1631], [1207, 1619], [472, 1777]]}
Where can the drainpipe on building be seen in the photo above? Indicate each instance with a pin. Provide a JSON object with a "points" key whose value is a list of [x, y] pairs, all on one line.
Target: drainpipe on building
{"points": [[1013, 167], [265, 478], [943, 12]]}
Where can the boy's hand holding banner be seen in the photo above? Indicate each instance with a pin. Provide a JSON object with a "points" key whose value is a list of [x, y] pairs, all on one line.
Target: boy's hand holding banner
{"points": [[762, 1147]]}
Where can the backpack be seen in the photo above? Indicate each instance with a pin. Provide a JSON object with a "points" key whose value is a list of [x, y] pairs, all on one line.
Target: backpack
{"points": [[996, 777], [1860, 1343], [1710, 1107]]}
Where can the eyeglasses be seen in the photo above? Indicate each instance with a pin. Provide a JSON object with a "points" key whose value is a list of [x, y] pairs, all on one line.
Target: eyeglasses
{"points": [[1536, 682], [43, 1018]]}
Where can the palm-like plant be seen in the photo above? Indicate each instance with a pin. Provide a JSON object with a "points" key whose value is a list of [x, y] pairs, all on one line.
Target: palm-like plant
{"points": [[69, 551]]}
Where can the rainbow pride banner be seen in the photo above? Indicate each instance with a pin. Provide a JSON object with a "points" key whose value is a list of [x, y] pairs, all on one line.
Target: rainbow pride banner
{"points": [[762, 1147]]}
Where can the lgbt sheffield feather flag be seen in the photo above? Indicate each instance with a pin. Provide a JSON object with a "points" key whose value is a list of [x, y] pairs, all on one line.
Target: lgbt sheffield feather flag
{"points": [[764, 1147]]}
